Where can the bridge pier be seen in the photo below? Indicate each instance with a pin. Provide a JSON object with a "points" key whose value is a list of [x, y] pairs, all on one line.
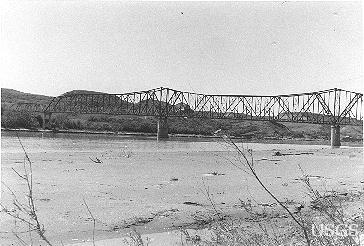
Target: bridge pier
{"points": [[335, 136], [46, 117], [162, 128]]}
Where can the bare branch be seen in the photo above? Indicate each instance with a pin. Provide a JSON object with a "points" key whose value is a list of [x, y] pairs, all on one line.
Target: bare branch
{"points": [[251, 168], [93, 219], [26, 213]]}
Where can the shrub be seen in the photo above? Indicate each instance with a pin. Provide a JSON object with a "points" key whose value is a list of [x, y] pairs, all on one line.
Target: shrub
{"points": [[19, 119], [60, 121]]}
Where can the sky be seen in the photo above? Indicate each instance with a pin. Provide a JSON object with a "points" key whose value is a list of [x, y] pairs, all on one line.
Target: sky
{"points": [[258, 48]]}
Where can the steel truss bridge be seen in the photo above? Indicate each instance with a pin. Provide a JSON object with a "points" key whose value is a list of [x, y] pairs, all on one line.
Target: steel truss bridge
{"points": [[333, 107]]}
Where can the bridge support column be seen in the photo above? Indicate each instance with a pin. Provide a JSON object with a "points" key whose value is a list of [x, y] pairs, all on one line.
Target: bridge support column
{"points": [[335, 136], [46, 117], [162, 130]]}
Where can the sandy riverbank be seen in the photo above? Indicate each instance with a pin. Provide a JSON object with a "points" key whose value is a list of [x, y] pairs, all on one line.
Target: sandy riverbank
{"points": [[158, 186]]}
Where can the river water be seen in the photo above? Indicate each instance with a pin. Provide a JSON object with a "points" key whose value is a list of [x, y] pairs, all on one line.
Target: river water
{"points": [[59, 142]]}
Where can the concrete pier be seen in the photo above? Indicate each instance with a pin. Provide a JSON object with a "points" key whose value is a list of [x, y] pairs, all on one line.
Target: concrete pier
{"points": [[162, 130], [46, 119], [335, 136]]}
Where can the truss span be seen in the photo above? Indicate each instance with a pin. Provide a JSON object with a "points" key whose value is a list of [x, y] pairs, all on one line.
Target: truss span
{"points": [[333, 107]]}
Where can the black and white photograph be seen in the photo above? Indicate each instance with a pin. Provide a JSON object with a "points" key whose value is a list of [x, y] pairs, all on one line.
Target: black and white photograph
{"points": [[181, 123]]}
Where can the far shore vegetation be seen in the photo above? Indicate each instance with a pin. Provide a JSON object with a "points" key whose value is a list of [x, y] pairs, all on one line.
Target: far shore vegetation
{"points": [[204, 127]]}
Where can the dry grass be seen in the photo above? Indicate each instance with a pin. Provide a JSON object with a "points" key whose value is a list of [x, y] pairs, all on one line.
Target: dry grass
{"points": [[283, 224], [25, 212]]}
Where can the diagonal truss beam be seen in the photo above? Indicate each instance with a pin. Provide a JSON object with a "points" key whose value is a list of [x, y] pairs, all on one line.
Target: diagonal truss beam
{"points": [[334, 106]]}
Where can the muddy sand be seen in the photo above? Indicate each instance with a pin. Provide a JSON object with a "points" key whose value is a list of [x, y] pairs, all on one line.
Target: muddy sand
{"points": [[156, 187]]}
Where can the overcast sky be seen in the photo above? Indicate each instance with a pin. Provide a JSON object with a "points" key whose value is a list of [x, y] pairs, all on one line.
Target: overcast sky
{"points": [[261, 48]]}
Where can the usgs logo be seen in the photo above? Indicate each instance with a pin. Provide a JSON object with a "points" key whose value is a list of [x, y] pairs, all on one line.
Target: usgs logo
{"points": [[340, 230]]}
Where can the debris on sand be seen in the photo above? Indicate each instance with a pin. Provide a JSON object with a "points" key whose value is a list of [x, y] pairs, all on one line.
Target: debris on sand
{"points": [[45, 199], [302, 153], [266, 159], [136, 221], [214, 174], [140, 221], [97, 160], [165, 213], [174, 179], [267, 204], [192, 203], [158, 186], [298, 207], [277, 153], [315, 176]]}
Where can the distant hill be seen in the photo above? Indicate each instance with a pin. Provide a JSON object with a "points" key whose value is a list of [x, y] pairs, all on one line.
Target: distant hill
{"points": [[246, 129], [10, 96], [81, 92]]}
